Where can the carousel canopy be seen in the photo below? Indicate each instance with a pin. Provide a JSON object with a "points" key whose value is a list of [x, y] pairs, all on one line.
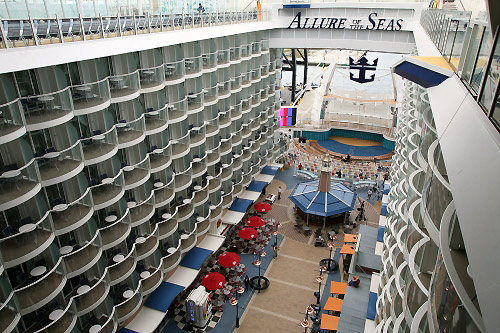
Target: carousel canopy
{"points": [[338, 199]]}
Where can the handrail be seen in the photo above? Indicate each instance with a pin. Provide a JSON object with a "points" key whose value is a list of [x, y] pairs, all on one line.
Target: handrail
{"points": [[59, 261], [46, 215]]}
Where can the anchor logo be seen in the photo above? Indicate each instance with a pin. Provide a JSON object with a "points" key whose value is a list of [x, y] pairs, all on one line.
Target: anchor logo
{"points": [[362, 65]]}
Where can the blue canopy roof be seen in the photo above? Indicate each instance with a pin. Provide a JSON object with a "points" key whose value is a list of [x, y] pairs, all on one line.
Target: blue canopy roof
{"points": [[195, 258], [338, 200], [256, 186], [241, 205], [269, 170]]}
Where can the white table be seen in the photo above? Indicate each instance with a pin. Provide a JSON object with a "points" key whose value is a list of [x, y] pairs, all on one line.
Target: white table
{"points": [[158, 151], [184, 236], [153, 113], [197, 187], [140, 240], [121, 125], [46, 98], [60, 207], [171, 250], [37, 271], [196, 159], [83, 289], [27, 227], [11, 174], [128, 168], [98, 137], [95, 329], [166, 216], [52, 154], [118, 258], [200, 219], [131, 204], [128, 293], [210, 178], [83, 88], [186, 201], [225, 165], [212, 207], [107, 180], [56, 314], [158, 184], [110, 218], [145, 275], [65, 249]]}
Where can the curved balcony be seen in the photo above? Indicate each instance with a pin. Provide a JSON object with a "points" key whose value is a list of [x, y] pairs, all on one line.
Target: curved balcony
{"points": [[100, 147], [160, 159], [235, 55], [172, 260], [138, 174], [131, 133], [213, 157], [58, 166], [215, 212], [195, 102], [12, 122], [142, 212], [180, 147], [264, 45], [185, 210], [199, 167], [200, 195], [91, 97], [188, 241], [183, 180], [246, 79], [225, 146], [209, 62], [70, 217], [177, 111], [19, 185], [236, 112], [214, 184], [109, 191], [174, 72], [236, 83], [223, 58], [212, 128], [167, 228], [124, 87], [146, 246], [152, 79], [126, 309], [89, 300], [202, 226], [9, 316], [120, 269], [108, 323], [164, 195], [246, 51], [236, 138], [42, 291], [224, 89], [255, 76], [227, 199], [224, 120], [156, 121], [227, 172], [193, 67], [80, 260], [115, 232], [211, 95], [30, 241], [152, 281], [197, 136], [48, 110]]}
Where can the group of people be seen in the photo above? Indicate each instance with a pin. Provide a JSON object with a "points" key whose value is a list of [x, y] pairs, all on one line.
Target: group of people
{"points": [[346, 159]]}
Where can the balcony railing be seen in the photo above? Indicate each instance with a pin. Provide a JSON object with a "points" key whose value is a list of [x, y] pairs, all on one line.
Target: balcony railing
{"points": [[19, 184], [124, 87], [99, 147], [52, 31], [209, 60], [91, 97], [71, 216], [12, 122], [174, 70]]}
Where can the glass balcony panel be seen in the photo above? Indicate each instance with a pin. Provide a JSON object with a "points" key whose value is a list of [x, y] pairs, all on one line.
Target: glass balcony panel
{"points": [[152, 281], [166, 227], [209, 60], [74, 214], [170, 261], [224, 88], [222, 57], [130, 132], [193, 65], [175, 71], [195, 101], [142, 249], [212, 127], [91, 97], [160, 158], [211, 94], [256, 73], [491, 81], [180, 146], [31, 237], [11, 121], [48, 110], [112, 232], [124, 85], [136, 174], [98, 290], [481, 61], [256, 48], [142, 210], [246, 78], [128, 308], [99, 146], [156, 120], [164, 194], [152, 77], [197, 134], [18, 183], [437, 197], [235, 53], [109, 189], [188, 242], [8, 313], [118, 270], [178, 110], [236, 82]]}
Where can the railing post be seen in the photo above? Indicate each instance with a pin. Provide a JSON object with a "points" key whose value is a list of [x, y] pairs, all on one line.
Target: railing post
{"points": [[183, 20], [119, 24], [82, 29], [161, 21], [192, 20], [61, 37], [102, 26], [135, 24], [4, 36], [148, 18], [35, 34]]}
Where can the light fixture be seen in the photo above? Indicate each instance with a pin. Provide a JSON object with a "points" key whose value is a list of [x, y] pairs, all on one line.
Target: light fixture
{"points": [[309, 310], [233, 301], [322, 269], [263, 254], [304, 323], [330, 245], [256, 262], [240, 290], [319, 279]]}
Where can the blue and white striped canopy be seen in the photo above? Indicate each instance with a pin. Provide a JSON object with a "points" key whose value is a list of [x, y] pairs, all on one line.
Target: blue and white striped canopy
{"points": [[311, 201]]}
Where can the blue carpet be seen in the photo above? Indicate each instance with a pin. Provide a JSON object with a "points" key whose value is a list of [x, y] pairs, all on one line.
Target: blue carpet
{"points": [[342, 148], [286, 176], [269, 170], [162, 297], [380, 235], [383, 211], [372, 306], [195, 258], [332, 276], [256, 186], [241, 205]]}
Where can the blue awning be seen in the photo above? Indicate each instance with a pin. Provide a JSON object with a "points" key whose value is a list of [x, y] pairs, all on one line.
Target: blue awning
{"points": [[163, 296], [241, 205], [383, 211], [380, 234], [269, 170], [195, 258], [424, 71], [338, 199], [372, 306], [256, 186]]}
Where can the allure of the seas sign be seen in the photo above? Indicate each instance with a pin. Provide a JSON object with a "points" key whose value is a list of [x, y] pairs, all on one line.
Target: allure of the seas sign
{"points": [[372, 23]]}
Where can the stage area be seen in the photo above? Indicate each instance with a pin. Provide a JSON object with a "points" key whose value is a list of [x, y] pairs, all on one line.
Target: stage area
{"points": [[355, 141], [353, 150]]}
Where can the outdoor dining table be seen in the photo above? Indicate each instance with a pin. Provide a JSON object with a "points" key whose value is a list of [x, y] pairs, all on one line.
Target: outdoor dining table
{"points": [[349, 238], [329, 322], [338, 288], [334, 304]]}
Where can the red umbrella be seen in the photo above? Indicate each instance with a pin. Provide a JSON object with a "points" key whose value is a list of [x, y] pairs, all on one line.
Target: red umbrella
{"points": [[213, 281], [229, 259], [256, 222], [262, 207], [248, 233]]}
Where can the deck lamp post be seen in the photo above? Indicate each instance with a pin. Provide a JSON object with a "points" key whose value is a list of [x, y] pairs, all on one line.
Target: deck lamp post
{"points": [[275, 233], [234, 301]]}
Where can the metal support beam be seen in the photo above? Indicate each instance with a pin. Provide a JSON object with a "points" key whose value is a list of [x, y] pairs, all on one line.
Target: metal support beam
{"points": [[294, 74]]}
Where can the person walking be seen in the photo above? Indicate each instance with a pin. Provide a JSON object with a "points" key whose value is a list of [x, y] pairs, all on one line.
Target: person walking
{"points": [[370, 192], [247, 282], [279, 192], [200, 9]]}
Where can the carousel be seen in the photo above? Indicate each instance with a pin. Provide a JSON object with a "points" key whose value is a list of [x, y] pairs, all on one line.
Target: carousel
{"points": [[322, 201]]}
